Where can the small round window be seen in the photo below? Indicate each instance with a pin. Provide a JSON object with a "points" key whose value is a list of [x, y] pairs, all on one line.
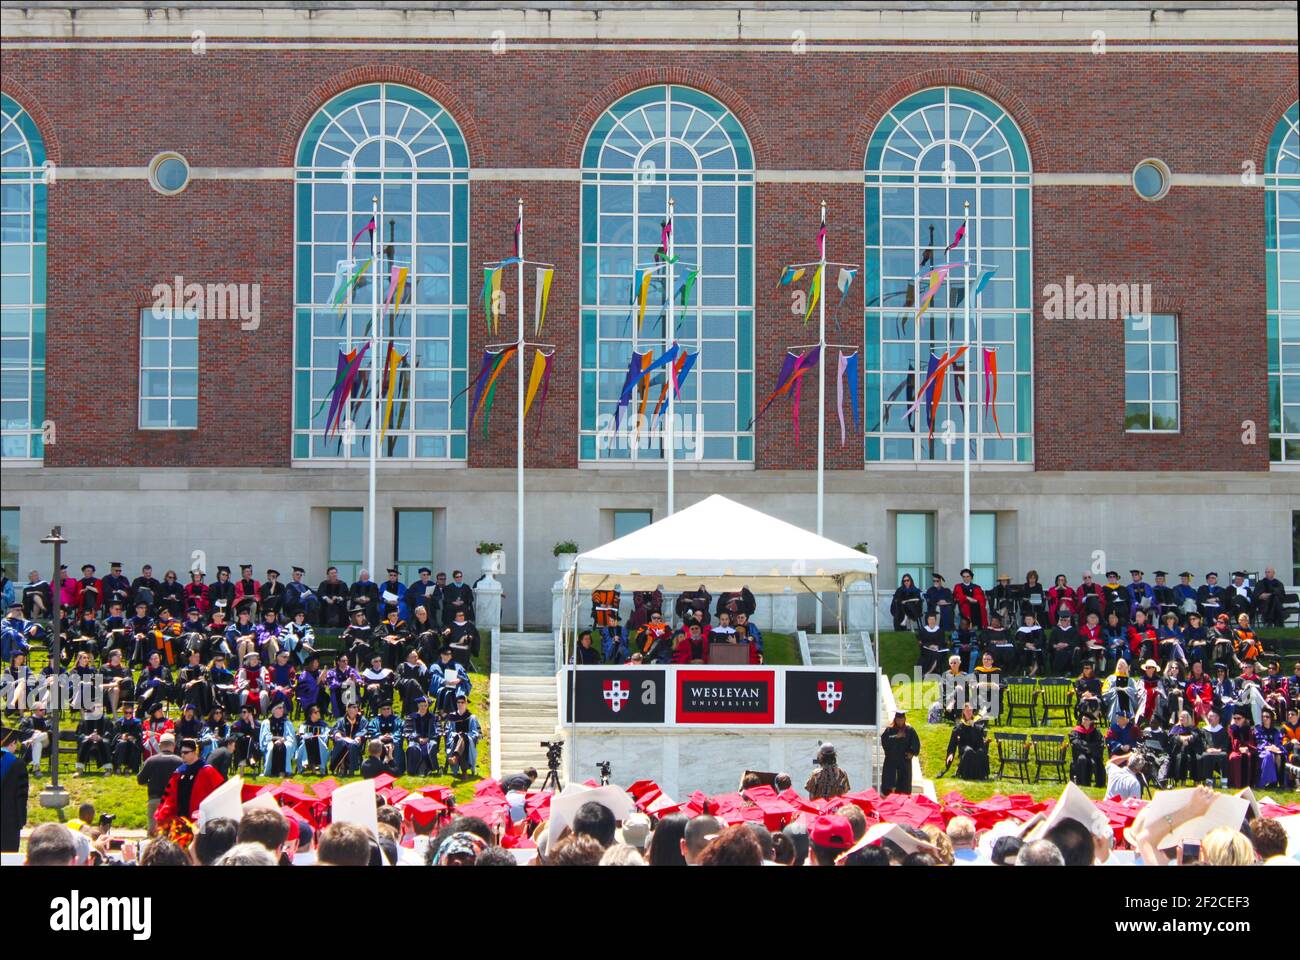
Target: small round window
{"points": [[169, 173], [1151, 179]]}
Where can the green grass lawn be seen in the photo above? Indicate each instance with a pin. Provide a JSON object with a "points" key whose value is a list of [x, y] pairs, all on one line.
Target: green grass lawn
{"points": [[122, 796], [781, 649], [898, 655]]}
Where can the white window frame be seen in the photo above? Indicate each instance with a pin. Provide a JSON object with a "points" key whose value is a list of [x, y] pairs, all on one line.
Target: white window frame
{"points": [[1148, 373], [171, 369]]}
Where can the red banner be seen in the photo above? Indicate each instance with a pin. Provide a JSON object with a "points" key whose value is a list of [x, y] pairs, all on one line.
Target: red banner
{"points": [[726, 696]]}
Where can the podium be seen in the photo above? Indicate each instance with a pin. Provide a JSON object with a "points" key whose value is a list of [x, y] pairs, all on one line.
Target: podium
{"points": [[729, 654]]}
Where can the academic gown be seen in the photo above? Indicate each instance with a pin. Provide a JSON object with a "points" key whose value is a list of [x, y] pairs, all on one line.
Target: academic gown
{"points": [[457, 597], [188, 787], [896, 774], [1271, 773], [171, 597], [221, 596], [1087, 763], [117, 588], [906, 604], [278, 762], [312, 742], [933, 596], [397, 589], [462, 732], [365, 593], [967, 743], [970, 601], [333, 603], [1243, 759], [443, 692], [421, 757], [14, 787], [388, 730], [465, 633], [274, 596], [933, 649]]}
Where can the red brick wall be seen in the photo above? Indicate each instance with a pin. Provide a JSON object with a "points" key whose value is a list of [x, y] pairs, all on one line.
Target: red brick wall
{"points": [[111, 241]]}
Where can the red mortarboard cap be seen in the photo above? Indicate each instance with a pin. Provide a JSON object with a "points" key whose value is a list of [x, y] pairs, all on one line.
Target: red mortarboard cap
{"points": [[384, 780], [423, 810], [662, 806], [489, 787], [440, 793], [832, 831], [249, 790], [642, 787], [325, 788], [394, 794]]}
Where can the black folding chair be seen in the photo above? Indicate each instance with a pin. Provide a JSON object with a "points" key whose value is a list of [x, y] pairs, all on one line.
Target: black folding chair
{"points": [[1051, 751], [1012, 751], [1056, 694], [1020, 693]]}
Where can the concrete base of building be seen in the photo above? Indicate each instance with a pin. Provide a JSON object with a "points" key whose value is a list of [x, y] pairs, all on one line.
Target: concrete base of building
{"points": [[1054, 522]]}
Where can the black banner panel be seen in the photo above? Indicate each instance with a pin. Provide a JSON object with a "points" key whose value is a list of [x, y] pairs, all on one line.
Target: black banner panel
{"points": [[635, 695], [822, 697]]}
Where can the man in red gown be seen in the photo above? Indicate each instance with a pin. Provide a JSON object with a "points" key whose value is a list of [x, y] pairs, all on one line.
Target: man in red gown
{"points": [[969, 596], [188, 787]]}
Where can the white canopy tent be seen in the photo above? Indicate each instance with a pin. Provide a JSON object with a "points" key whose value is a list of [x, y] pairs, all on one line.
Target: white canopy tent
{"points": [[723, 545]]}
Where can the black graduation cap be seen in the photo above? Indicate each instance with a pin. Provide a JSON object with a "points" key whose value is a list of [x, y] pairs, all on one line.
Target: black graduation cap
{"points": [[392, 569], [245, 566], [1136, 573], [1161, 573], [939, 577], [1239, 573], [299, 570], [424, 570], [223, 569], [272, 573], [116, 563], [1211, 574], [1187, 574], [87, 566], [356, 608], [1112, 573]]}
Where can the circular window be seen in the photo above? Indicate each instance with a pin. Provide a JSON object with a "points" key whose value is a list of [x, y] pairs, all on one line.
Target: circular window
{"points": [[1151, 179], [169, 173]]}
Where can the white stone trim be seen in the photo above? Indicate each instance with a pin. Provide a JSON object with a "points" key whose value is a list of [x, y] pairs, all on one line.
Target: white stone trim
{"points": [[701, 22], [574, 175]]}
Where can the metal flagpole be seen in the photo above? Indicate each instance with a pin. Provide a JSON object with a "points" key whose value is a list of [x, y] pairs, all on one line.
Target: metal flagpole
{"points": [[821, 399], [965, 402], [374, 384], [519, 429], [670, 331]]}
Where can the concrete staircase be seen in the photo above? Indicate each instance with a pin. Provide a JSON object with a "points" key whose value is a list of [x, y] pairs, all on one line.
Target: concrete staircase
{"points": [[824, 650], [524, 703]]}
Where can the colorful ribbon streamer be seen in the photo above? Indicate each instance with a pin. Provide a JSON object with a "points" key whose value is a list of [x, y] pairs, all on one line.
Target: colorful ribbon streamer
{"points": [[841, 366], [932, 389], [536, 377], [816, 292], [635, 366], [793, 367], [687, 286], [391, 363], [489, 396], [790, 275], [370, 227], [355, 281], [961, 232], [991, 386], [641, 291], [844, 281], [396, 287], [985, 277], [543, 295], [851, 375], [349, 366], [821, 239], [847, 370]]}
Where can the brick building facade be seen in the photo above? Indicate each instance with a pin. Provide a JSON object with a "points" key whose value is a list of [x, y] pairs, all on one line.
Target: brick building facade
{"points": [[1203, 91]]}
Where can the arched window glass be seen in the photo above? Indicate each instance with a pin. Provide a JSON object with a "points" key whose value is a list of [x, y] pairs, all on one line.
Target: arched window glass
{"points": [[1282, 259], [931, 153], [658, 143], [24, 178], [396, 143]]}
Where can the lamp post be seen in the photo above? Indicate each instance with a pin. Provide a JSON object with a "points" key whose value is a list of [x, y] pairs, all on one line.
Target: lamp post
{"points": [[54, 796]]}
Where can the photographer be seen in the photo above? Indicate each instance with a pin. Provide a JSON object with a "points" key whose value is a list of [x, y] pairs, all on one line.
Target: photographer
{"points": [[1125, 773]]}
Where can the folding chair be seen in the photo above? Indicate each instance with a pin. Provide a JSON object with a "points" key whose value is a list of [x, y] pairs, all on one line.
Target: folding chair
{"points": [[1013, 751], [1056, 694], [1050, 750], [1290, 608], [1020, 693]]}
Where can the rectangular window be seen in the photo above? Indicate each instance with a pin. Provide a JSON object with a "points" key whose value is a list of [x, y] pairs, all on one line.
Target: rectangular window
{"points": [[629, 521], [9, 544], [347, 528], [169, 369], [914, 547], [414, 543], [1151, 374], [984, 548]]}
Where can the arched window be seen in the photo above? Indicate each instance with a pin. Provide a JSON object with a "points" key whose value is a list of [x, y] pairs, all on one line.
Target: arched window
{"points": [[24, 175], [393, 142], [929, 154], [1282, 257], [657, 143]]}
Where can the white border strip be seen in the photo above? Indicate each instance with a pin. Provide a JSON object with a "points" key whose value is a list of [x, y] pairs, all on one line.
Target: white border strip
{"points": [[574, 175]]}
